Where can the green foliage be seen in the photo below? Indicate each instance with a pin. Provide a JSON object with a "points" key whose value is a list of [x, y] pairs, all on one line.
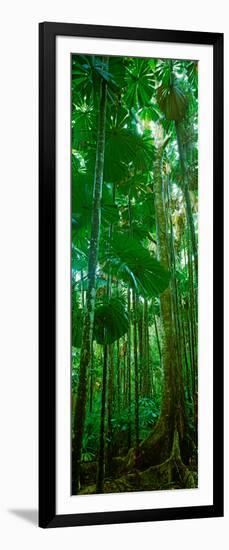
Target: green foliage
{"points": [[130, 262], [77, 326], [149, 411], [84, 122], [123, 148], [144, 99], [86, 75], [111, 320], [82, 202], [140, 82], [110, 324], [172, 101]]}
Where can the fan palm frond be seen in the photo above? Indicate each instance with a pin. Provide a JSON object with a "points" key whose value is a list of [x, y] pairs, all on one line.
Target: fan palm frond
{"points": [[129, 261], [111, 320]]}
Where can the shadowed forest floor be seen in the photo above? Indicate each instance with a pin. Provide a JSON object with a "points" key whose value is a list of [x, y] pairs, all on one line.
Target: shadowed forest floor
{"points": [[170, 475]]}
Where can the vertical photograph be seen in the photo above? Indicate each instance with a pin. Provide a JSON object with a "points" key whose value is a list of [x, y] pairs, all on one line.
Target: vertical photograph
{"points": [[134, 269]]}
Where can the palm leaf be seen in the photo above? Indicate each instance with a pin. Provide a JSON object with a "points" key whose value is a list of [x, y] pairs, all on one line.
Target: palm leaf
{"points": [[140, 83], [172, 101], [111, 320], [84, 122], [82, 192], [129, 261], [123, 147], [79, 259]]}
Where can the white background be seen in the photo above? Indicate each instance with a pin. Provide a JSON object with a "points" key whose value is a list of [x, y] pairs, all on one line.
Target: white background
{"points": [[18, 288]]}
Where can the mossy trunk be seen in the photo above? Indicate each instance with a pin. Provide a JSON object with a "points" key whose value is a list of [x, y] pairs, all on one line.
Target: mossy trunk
{"points": [[157, 447], [187, 197]]}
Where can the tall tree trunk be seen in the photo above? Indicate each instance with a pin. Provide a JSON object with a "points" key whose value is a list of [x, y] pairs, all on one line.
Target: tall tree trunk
{"points": [[158, 446], [91, 379], [136, 389], [187, 370], [188, 324], [125, 360], [129, 330], [129, 370], [101, 461], [110, 402], [82, 289], [118, 380], [80, 409], [140, 347], [187, 196], [146, 375], [176, 312], [108, 362], [157, 337]]}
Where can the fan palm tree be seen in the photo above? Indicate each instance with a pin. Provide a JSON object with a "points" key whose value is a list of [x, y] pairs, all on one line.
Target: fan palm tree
{"points": [[174, 103], [88, 324]]}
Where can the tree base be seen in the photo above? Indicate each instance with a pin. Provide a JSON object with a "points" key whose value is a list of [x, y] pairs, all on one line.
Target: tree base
{"points": [[170, 474]]}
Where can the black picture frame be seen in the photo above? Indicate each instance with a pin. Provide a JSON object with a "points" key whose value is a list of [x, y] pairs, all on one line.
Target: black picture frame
{"points": [[47, 274]]}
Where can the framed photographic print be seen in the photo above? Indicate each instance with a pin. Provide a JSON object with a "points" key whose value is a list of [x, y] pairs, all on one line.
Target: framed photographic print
{"points": [[131, 275]]}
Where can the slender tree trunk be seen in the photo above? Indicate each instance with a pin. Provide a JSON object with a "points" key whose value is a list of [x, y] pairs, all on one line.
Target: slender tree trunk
{"points": [[101, 461], [118, 383], [157, 337], [187, 197], [148, 372], [91, 379], [146, 378], [193, 324], [80, 410], [82, 289], [187, 371], [174, 278], [136, 389], [108, 362], [187, 327], [140, 345], [129, 369], [110, 401], [129, 331], [125, 362]]}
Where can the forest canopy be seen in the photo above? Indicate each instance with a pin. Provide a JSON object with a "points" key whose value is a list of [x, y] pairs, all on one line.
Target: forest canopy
{"points": [[134, 274]]}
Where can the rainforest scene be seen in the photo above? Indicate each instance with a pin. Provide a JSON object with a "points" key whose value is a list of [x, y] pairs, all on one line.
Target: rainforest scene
{"points": [[134, 268]]}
